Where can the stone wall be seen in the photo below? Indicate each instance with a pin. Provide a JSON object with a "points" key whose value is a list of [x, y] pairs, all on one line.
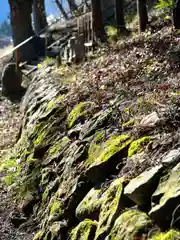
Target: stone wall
{"points": [[69, 172]]}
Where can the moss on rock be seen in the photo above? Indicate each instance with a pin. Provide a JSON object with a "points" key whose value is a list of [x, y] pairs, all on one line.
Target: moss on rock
{"points": [[103, 152], [56, 150], [45, 195], [59, 145], [166, 198], [39, 235], [90, 205], [99, 136], [54, 102], [55, 209], [129, 225], [170, 235], [81, 110], [138, 145], [84, 231], [54, 231], [131, 122], [110, 208]]}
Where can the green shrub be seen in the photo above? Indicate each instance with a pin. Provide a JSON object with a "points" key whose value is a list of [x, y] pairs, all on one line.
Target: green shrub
{"points": [[164, 4], [111, 33]]}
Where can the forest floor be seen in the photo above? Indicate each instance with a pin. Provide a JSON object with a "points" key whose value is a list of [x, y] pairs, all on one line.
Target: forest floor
{"points": [[10, 119]]}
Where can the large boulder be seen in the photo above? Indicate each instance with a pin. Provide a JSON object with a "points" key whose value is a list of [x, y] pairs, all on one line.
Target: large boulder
{"points": [[142, 187], [114, 202], [90, 206], [170, 235], [104, 157], [172, 157], [165, 200], [84, 231], [131, 224], [11, 82]]}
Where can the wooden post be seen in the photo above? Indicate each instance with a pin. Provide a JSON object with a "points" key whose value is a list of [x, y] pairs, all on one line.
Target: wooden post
{"points": [[17, 59], [46, 45]]}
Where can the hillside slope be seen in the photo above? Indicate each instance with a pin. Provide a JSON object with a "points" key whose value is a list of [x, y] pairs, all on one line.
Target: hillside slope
{"points": [[98, 155]]}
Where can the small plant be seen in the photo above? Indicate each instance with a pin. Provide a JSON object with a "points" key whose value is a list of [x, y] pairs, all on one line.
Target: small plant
{"points": [[48, 61], [162, 4], [112, 33]]}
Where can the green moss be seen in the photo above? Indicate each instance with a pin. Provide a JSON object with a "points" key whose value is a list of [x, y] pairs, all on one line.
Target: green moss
{"points": [[38, 235], [40, 138], [54, 231], [59, 145], [99, 136], [45, 195], [129, 224], [55, 227], [53, 103], [84, 231], [101, 153], [30, 159], [12, 176], [56, 207], [41, 133], [7, 164], [109, 207], [129, 123], [45, 176], [90, 204], [170, 235], [81, 110], [11, 169], [21, 147], [138, 145]]}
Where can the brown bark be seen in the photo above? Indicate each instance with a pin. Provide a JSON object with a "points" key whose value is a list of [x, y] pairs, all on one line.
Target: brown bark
{"points": [[176, 14], [119, 15], [39, 15], [21, 24], [142, 14], [98, 25]]}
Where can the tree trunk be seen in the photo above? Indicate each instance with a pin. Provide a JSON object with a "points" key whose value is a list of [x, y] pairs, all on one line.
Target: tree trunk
{"points": [[119, 16], [21, 24], [176, 14], [72, 6], [59, 5], [98, 26], [142, 14], [39, 16]]}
